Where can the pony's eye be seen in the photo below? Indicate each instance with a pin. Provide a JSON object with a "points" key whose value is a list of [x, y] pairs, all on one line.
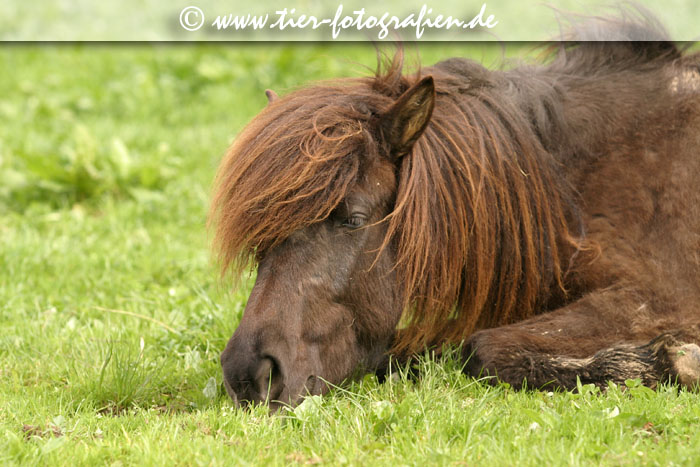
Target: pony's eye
{"points": [[354, 221]]}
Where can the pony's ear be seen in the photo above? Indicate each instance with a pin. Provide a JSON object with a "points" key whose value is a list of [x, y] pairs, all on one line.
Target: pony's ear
{"points": [[406, 120], [271, 95]]}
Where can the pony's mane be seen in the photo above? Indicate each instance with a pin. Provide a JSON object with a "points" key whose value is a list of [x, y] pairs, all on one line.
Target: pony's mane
{"points": [[479, 215], [482, 224]]}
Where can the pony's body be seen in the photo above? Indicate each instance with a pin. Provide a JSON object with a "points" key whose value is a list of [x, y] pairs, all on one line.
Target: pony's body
{"points": [[546, 217], [632, 159]]}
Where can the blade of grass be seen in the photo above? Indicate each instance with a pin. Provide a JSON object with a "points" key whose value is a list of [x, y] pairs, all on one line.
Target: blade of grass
{"points": [[136, 315]]}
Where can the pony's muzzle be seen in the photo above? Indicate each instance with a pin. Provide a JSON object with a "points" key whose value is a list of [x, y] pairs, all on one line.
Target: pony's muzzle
{"points": [[251, 379]]}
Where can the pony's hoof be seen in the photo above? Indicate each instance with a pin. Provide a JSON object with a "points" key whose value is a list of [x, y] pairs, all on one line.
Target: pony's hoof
{"points": [[686, 364]]}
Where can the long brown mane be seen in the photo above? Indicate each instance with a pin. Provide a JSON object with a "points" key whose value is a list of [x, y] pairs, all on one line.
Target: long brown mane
{"points": [[484, 224]]}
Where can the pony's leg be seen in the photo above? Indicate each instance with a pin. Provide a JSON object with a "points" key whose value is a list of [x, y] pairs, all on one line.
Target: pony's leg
{"points": [[602, 337]]}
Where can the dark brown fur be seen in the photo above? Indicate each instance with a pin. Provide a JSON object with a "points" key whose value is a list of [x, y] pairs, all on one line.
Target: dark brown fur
{"points": [[549, 216]]}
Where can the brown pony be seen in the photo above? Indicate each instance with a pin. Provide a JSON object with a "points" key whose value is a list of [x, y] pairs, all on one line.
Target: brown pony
{"points": [[546, 217]]}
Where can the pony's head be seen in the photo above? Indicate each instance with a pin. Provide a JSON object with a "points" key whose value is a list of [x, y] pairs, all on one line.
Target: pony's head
{"points": [[304, 193], [376, 200]]}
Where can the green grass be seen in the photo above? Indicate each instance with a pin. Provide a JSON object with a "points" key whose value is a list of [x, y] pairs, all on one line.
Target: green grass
{"points": [[112, 316]]}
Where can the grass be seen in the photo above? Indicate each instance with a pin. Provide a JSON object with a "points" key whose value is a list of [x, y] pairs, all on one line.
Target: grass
{"points": [[112, 317]]}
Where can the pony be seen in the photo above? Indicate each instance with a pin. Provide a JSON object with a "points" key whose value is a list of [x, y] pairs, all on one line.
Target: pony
{"points": [[543, 218]]}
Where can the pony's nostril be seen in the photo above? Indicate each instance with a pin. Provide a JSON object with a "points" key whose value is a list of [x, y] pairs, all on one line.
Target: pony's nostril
{"points": [[313, 385], [269, 380], [231, 393]]}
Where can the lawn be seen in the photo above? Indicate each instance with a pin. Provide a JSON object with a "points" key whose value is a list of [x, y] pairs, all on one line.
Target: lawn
{"points": [[112, 315]]}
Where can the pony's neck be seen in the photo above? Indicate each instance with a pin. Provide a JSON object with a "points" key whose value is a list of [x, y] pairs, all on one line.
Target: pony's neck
{"points": [[579, 115]]}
